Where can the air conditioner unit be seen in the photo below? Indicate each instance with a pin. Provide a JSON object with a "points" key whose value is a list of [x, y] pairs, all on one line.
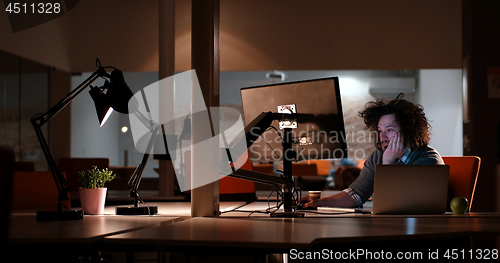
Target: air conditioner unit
{"points": [[391, 85]]}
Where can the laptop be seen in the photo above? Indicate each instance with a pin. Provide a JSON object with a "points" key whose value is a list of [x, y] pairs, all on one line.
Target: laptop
{"points": [[410, 189]]}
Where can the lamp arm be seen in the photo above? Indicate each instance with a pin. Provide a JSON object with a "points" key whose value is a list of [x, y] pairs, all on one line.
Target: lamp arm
{"points": [[135, 179], [258, 177], [149, 123], [45, 117], [61, 182], [40, 119]]}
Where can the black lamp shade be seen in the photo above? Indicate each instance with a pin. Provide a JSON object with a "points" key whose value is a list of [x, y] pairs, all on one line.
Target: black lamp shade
{"points": [[102, 107], [119, 94]]}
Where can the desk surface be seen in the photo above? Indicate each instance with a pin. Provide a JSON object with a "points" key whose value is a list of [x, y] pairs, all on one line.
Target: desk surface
{"points": [[182, 209], [301, 233], [258, 209], [164, 208], [24, 228]]}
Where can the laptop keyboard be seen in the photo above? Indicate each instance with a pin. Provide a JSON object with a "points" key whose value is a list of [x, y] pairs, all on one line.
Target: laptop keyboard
{"points": [[328, 209]]}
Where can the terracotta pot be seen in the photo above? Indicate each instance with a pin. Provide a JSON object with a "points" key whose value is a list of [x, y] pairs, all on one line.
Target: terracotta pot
{"points": [[93, 200]]}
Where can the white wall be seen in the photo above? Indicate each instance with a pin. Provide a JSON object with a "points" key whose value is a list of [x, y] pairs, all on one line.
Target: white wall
{"points": [[440, 92]]}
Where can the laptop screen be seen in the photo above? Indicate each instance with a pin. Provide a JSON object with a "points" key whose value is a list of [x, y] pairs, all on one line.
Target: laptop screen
{"points": [[410, 189]]}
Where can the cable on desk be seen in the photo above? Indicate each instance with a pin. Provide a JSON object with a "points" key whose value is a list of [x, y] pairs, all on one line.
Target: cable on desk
{"points": [[295, 191], [267, 211], [279, 201]]}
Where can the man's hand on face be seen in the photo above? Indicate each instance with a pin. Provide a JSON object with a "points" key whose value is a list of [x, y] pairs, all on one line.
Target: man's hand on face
{"points": [[394, 150]]}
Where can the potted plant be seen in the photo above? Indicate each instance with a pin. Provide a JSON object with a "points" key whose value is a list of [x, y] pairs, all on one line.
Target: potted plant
{"points": [[93, 190]]}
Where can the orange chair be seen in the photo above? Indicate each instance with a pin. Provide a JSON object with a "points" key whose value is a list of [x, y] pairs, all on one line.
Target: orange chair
{"points": [[361, 163], [7, 157], [230, 188], [322, 166], [234, 188], [463, 175], [35, 190], [24, 166], [304, 169], [344, 176], [266, 168]]}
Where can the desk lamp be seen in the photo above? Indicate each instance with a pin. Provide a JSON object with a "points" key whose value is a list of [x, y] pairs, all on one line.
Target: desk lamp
{"points": [[116, 98]]}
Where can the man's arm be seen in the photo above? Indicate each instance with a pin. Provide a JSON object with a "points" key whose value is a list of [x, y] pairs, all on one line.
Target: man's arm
{"points": [[341, 199]]}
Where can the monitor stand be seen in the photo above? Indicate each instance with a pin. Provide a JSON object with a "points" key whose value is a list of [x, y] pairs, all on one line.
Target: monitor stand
{"points": [[288, 156]]}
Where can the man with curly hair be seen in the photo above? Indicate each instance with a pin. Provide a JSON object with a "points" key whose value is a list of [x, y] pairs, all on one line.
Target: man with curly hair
{"points": [[404, 135]]}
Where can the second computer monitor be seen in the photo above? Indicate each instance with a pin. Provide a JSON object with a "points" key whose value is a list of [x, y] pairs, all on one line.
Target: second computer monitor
{"points": [[318, 130]]}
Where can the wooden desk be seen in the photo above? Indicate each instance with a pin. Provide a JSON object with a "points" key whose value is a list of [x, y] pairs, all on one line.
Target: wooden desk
{"points": [[175, 209], [180, 209], [27, 230], [258, 209], [31, 240], [274, 235], [66, 239]]}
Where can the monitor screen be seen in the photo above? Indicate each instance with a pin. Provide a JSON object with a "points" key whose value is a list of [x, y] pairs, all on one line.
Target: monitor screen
{"points": [[317, 131]]}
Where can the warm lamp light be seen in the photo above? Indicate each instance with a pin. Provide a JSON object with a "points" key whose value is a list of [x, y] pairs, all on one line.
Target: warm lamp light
{"points": [[116, 98], [106, 116], [102, 108]]}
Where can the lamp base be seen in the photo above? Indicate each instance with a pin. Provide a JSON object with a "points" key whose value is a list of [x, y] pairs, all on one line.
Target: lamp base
{"points": [[141, 210], [287, 214], [74, 214]]}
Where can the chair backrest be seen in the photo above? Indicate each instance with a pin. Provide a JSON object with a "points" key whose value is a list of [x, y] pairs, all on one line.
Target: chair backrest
{"points": [[304, 169], [35, 190], [463, 175], [322, 166], [227, 184], [24, 166], [7, 157], [71, 166], [231, 185], [344, 176], [266, 168], [361, 163]]}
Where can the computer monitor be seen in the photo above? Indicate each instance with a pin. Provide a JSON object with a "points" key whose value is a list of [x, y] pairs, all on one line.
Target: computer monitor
{"points": [[318, 132]]}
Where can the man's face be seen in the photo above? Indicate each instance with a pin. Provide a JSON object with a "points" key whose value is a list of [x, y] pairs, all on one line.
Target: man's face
{"points": [[387, 128]]}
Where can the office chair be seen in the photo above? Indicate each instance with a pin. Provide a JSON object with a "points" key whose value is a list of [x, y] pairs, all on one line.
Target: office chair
{"points": [[361, 163], [344, 176], [235, 189], [6, 170], [463, 175], [230, 188], [24, 166], [35, 190]]}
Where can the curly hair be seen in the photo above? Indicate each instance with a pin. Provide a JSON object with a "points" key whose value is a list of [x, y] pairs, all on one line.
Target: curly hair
{"points": [[415, 127]]}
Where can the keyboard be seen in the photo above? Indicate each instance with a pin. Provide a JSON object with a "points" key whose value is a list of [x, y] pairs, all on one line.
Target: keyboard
{"points": [[328, 209]]}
